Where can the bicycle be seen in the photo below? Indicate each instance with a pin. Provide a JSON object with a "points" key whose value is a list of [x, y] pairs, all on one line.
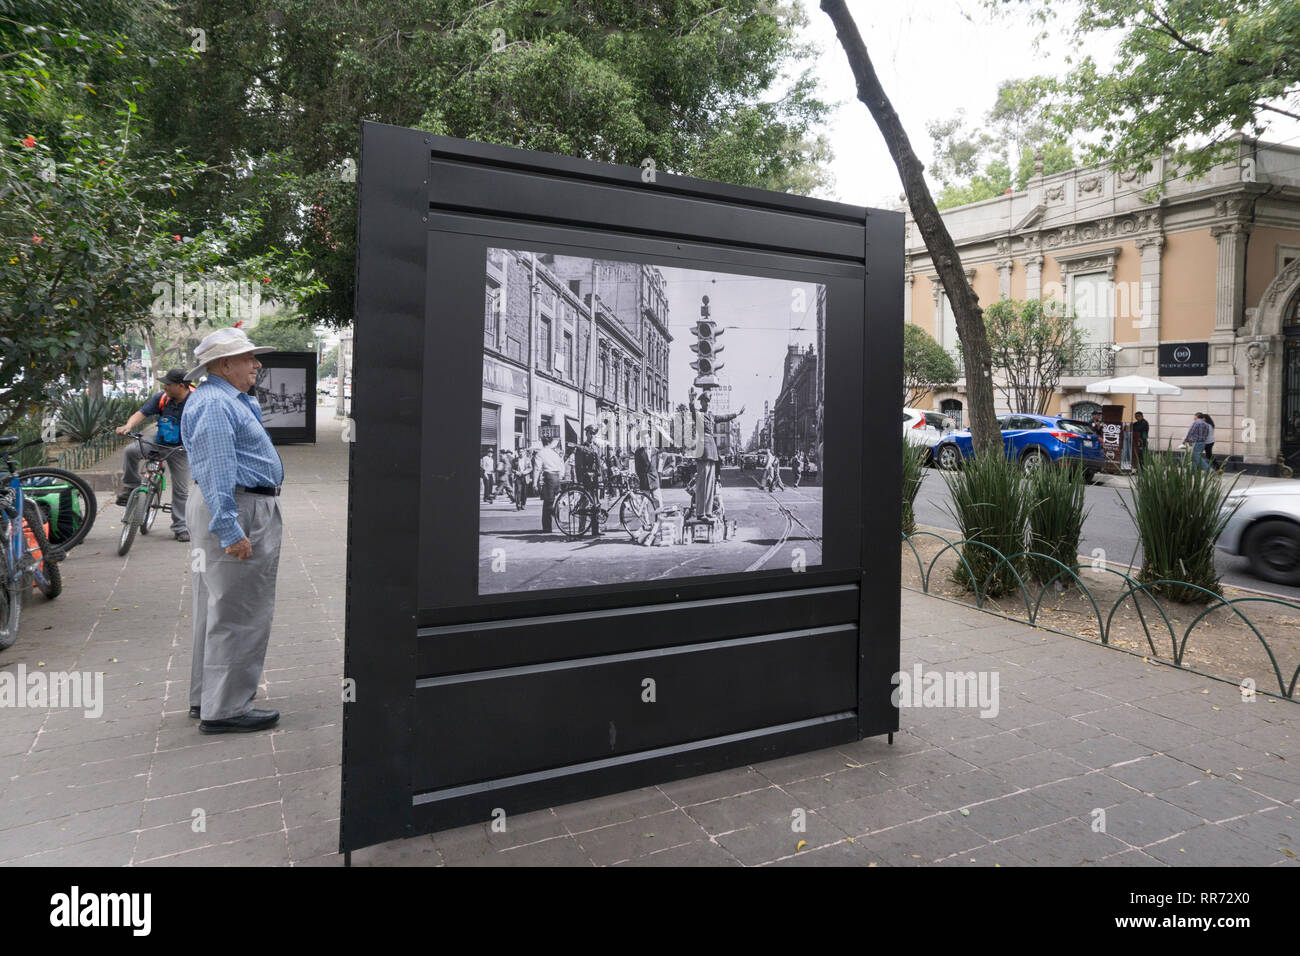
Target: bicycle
{"points": [[576, 509], [145, 500], [67, 503], [26, 557]]}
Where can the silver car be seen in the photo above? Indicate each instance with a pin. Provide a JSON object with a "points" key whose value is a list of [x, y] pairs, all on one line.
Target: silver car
{"points": [[1266, 530]]}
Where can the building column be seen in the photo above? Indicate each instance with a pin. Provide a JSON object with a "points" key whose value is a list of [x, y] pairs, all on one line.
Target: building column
{"points": [[1232, 273], [908, 279], [936, 290], [1033, 277], [1148, 323], [1004, 278]]}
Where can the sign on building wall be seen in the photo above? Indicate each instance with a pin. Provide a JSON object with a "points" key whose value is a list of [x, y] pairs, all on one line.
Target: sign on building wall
{"points": [[1184, 358]]}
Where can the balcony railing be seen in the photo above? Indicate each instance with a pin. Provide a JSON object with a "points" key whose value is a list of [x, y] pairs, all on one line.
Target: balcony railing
{"points": [[1095, 360]]}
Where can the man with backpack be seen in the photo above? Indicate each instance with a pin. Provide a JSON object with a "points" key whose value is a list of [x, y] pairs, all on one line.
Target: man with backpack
{"points": [[167, 405]]}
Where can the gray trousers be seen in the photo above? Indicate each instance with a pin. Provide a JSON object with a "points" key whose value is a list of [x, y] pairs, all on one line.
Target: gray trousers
{"points": [[234, 602], [179, 467]]}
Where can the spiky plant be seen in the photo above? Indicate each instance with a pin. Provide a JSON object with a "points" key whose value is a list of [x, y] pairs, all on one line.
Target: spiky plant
{"points": [[990, 506], [1056, 515], [1179, 509], [914, 458]]}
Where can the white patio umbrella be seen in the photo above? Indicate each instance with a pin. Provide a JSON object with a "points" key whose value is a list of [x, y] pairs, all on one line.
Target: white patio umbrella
{"points": [[1133, 385]]}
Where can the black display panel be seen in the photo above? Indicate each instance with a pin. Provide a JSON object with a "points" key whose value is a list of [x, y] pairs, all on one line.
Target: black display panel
{"points": [[286, 391], [497, 667]]}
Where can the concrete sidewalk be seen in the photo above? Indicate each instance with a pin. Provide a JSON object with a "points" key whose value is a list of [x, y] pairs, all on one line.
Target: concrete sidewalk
{"points": [[1184, 770]]}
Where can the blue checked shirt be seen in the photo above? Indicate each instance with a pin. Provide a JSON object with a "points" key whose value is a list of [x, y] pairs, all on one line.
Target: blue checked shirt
{"points": [[222, 431]]}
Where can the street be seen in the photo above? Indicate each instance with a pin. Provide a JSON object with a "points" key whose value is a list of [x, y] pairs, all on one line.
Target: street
{"points": [[1107, 526], [781, 530]]}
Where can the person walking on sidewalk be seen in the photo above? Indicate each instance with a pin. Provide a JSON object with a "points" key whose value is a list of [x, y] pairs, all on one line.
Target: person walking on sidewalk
{"points": [[488, 469], [1209, 442], [167, 405], [522, 477], [236, 525], [587, 470], [1141, 430], [1196, 438]]}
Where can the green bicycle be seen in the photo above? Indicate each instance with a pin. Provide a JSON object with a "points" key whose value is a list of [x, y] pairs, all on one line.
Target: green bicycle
{"points": [[145, 501]]}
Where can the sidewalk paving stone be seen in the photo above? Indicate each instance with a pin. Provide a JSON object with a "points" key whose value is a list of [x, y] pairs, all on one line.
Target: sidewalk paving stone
{"points": [[1079, 727]]}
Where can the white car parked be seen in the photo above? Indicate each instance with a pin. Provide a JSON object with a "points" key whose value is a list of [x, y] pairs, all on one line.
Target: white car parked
{"points": [[926, 428]]}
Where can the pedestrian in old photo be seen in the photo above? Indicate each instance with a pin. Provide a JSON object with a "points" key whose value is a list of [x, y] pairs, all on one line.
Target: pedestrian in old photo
{"points": [[647, 468], [523, 477], [236, 527], [587, 465], [796, 468], [546, 479], [487, 469]]}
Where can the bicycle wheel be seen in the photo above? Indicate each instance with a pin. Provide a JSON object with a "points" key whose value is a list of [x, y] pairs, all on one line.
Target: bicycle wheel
{"points": [[11, 589], [33, 479], [572, 511], [131, 519], [637, 512], [152, 505], [48, 576]]}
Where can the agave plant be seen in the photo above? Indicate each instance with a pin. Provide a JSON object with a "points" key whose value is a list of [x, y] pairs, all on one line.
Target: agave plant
{"points": [[1056, 515], [991, 508], [1179, 509], [914, 457], [83, 415]]}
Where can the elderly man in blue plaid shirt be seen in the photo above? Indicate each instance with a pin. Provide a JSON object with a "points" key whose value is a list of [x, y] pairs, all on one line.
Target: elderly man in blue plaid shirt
{"points": [[236, 527]]}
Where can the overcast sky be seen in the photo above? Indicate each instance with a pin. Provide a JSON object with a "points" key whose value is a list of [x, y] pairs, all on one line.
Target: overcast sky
{"points": [[933, 57], [762, 318]]}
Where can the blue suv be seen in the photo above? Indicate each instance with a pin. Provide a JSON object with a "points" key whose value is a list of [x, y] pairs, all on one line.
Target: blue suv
{"points": [[1032, 440]]}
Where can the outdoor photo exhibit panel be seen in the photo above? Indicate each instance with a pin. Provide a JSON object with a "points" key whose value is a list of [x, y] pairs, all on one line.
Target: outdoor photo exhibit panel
{"points": [[527, 315], [286, 392]]}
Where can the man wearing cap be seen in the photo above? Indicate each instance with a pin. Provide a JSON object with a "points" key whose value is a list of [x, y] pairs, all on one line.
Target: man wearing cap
{"points": [[586, 470], [167, 405], [235, 521]]}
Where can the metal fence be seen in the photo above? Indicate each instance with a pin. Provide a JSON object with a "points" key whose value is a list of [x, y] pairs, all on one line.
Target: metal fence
{"points": [[89, 453], [1094, 360], [1131, 591]]}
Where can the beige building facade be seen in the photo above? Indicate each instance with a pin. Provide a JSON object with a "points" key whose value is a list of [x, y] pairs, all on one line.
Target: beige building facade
{"points": [[1199, 288]]}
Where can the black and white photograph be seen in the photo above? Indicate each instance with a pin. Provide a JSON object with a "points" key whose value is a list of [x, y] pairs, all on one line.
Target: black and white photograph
{"points": [[282, 393], [674, 429]]}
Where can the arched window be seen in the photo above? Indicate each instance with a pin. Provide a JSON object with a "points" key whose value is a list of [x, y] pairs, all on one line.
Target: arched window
{"points": [[952, 407], [1082, 411]]}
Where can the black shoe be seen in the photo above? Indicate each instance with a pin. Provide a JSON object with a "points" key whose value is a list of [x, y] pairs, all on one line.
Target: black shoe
{"points": [[194, 712], [123, 497], [182, 536], [244, 723]]}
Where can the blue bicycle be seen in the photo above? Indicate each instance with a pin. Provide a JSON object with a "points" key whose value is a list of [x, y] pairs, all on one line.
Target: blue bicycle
{"points": [[26, 558]]}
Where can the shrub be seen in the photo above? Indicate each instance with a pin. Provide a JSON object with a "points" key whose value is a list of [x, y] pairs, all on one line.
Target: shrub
{"points": [[1056, 515], [990, 507], [1178, 509], [83, 415], [914, 458]]}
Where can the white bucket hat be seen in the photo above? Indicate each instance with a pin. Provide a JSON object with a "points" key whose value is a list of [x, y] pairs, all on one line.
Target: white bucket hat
{"points": [[222, 344]]}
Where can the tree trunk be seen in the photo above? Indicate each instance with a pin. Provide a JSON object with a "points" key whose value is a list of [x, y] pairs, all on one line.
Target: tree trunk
{"points": [[943, 253]]}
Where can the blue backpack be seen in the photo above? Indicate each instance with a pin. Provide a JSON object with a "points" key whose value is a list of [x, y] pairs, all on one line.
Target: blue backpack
{"points": [[169, 429]]}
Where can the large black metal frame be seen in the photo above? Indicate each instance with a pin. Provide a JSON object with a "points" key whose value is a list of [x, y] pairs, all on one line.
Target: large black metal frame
{"points": [[467, 704]]}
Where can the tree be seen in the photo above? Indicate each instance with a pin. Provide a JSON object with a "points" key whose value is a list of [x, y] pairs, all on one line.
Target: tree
{"points": [[283, 332], [1187, 76], [329, 363], [938, 242], [927, 366], [1032, 343], [973, 165], [696, 86], [89, 239]]}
